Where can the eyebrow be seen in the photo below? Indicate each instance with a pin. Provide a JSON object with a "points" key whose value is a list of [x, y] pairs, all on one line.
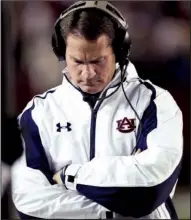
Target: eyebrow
{"points": [[90, 61]]}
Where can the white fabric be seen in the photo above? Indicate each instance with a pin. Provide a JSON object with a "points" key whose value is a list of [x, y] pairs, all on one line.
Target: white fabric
{"points": [[112, 165]]}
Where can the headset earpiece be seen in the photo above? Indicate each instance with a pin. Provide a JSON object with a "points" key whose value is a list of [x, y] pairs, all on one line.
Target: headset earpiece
{"points": [[58, 43], [125, 49]]}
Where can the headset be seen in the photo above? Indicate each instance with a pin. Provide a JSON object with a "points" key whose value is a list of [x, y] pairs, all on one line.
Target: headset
{"points": [[122, 41]]}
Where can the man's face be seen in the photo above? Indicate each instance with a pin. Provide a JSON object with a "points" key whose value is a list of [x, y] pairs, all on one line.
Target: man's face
{"points": [[91, 64]]}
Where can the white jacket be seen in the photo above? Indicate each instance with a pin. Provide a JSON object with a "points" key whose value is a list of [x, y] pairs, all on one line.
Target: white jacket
{"points": [[59, 128]]}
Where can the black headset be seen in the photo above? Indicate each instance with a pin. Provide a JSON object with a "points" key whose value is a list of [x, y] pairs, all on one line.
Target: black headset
{"points": [[122, 41]]}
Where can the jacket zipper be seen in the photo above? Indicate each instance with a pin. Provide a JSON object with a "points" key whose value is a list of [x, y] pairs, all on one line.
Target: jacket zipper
{"points": [[93, 134], [93, 127]]}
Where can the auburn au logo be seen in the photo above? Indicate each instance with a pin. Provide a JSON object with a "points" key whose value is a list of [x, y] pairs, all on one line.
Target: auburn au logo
{"points": [[126, 125]]}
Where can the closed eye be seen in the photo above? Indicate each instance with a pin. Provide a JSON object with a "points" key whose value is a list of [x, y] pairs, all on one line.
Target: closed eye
{"points": [[95, 62], [98, 61], [79, 62]]}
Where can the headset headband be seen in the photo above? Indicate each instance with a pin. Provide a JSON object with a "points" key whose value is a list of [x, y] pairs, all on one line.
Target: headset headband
{"points": [[101, 5]]}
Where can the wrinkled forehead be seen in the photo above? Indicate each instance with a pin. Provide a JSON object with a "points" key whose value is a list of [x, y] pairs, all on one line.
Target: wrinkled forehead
{"points": [[77, 45]]}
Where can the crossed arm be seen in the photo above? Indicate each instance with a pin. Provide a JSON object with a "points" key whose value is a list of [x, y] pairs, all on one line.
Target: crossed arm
{"points": [[129, 185]]}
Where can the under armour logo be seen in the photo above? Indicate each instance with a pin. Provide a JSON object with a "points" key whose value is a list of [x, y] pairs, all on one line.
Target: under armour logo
{"points": [[59, 127], [126, 125]]}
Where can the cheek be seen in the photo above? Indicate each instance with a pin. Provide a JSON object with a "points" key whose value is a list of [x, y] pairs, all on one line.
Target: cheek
{"points": [[106, 72]]}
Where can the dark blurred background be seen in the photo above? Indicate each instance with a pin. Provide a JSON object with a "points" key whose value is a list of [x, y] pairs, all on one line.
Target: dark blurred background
{"points": [[160, 33]]}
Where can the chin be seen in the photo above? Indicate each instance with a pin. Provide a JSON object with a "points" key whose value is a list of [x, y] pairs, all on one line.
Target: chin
{"points": [[90, 89]]}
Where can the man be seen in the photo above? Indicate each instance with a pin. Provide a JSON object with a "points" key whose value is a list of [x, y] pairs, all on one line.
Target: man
{"points": [[105, 143]]}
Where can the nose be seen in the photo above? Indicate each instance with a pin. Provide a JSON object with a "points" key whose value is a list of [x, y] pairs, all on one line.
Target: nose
{"points": [[88, 72]]}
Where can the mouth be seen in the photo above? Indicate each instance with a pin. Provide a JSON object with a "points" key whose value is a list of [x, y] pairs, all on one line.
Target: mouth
{"points": [[89, 83]]}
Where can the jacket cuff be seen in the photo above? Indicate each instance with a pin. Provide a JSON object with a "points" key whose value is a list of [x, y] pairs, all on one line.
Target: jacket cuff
{"points": [[70, 176]]}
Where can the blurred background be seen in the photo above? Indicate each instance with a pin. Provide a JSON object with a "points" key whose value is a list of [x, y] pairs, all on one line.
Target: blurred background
{"points": [[160, 33]]}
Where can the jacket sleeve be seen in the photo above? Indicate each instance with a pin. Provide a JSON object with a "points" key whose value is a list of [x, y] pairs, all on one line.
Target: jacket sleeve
{"points": [[33, 191], [136, 185]]}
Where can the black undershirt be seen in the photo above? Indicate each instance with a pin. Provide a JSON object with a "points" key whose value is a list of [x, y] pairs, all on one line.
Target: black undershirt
{"points": [[90, 98]]}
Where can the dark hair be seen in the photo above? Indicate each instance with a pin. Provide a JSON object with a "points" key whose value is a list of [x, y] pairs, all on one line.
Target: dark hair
{"points": [[89, 23]]}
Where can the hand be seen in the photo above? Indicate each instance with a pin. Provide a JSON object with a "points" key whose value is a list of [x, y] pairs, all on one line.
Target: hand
{"points": [[57, 179], [67, 176], [138, 151]]}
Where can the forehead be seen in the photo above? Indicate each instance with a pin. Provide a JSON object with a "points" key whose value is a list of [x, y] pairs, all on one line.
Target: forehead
{"points": [[79, 46]]}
